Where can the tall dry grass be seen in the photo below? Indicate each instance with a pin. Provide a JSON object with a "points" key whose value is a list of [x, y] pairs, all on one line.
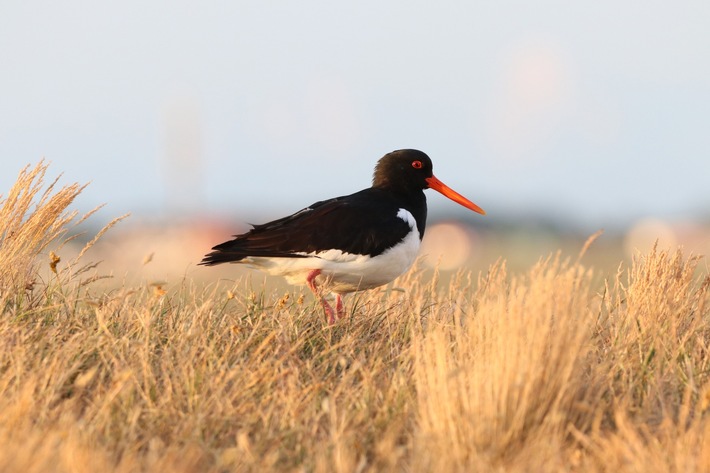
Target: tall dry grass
{"points": [[29, 221], [33, 217], [554, 369]]}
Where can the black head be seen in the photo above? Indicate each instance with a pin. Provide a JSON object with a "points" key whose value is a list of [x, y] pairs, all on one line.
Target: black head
{"points": [[404, 169], [407, 171]]}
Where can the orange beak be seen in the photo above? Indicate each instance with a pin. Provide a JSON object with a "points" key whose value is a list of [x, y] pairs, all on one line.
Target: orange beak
{"points": [[439, 186]]}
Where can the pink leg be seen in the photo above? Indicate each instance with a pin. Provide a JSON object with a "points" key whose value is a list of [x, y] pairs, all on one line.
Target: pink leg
{"points": [[311, 281], [339, 308]]}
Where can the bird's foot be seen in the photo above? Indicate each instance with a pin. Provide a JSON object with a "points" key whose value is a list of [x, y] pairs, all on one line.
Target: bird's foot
{"points": [[331, 314], [336, 314], [339, 307]]}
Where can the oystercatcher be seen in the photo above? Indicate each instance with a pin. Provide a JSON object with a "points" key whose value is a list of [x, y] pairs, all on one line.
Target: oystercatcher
{"points": [[350, 243]]}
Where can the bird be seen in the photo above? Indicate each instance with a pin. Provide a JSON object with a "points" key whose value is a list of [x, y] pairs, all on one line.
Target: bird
{"points": [[349, 243]]}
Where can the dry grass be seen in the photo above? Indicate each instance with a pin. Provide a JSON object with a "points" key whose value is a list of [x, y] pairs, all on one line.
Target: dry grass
{"points": [[556, 369], [30, 220]]}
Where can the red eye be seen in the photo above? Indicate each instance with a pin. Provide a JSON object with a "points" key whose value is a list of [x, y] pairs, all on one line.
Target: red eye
{"points": [[417, 164]]}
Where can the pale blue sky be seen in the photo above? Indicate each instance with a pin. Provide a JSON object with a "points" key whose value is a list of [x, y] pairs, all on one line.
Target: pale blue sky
{"points": [[595, 113]]}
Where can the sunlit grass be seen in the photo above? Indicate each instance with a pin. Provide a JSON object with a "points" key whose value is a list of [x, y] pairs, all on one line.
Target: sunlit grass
{"points": [[553, 369]]}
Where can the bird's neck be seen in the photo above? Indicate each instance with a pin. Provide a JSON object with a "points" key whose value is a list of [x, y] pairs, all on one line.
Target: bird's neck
{"points": [[414, 201]]}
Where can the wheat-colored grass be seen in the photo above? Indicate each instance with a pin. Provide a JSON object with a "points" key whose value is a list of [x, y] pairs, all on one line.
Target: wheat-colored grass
{"points": [[554, 369]]}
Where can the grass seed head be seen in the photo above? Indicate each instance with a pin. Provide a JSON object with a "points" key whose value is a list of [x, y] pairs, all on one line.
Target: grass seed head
{"points": [[53, 261]]}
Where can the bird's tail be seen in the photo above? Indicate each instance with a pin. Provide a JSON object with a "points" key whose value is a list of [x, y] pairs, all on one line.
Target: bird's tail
{"points": [[236, 250]]}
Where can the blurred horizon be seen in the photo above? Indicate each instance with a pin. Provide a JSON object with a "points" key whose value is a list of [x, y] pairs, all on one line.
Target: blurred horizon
{"points": [[569, 116]]}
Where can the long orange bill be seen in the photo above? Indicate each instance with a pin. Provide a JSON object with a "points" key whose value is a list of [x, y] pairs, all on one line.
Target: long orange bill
{"points": [[439, 186]]}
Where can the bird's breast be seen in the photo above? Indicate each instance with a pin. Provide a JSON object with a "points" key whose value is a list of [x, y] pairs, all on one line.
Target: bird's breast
{"points": [[346, 272]]}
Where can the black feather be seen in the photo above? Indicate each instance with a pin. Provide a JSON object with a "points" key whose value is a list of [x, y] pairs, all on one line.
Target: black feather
{"points": [[362, 223]]}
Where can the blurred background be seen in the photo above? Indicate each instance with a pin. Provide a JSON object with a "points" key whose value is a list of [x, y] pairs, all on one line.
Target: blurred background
{"points": [[558, 118]]}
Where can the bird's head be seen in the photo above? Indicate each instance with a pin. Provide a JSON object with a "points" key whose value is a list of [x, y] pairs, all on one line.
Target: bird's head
{"points": [[408, 170]]}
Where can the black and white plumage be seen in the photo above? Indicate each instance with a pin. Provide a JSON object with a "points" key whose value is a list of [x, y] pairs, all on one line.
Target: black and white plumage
{"points": [[350, 243]]}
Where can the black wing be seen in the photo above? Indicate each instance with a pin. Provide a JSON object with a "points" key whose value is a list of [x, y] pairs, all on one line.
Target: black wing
{"points": [[362, 223]]}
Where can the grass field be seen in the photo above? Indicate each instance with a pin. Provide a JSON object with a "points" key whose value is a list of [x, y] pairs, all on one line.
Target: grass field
{"points": [[556, 368]]}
